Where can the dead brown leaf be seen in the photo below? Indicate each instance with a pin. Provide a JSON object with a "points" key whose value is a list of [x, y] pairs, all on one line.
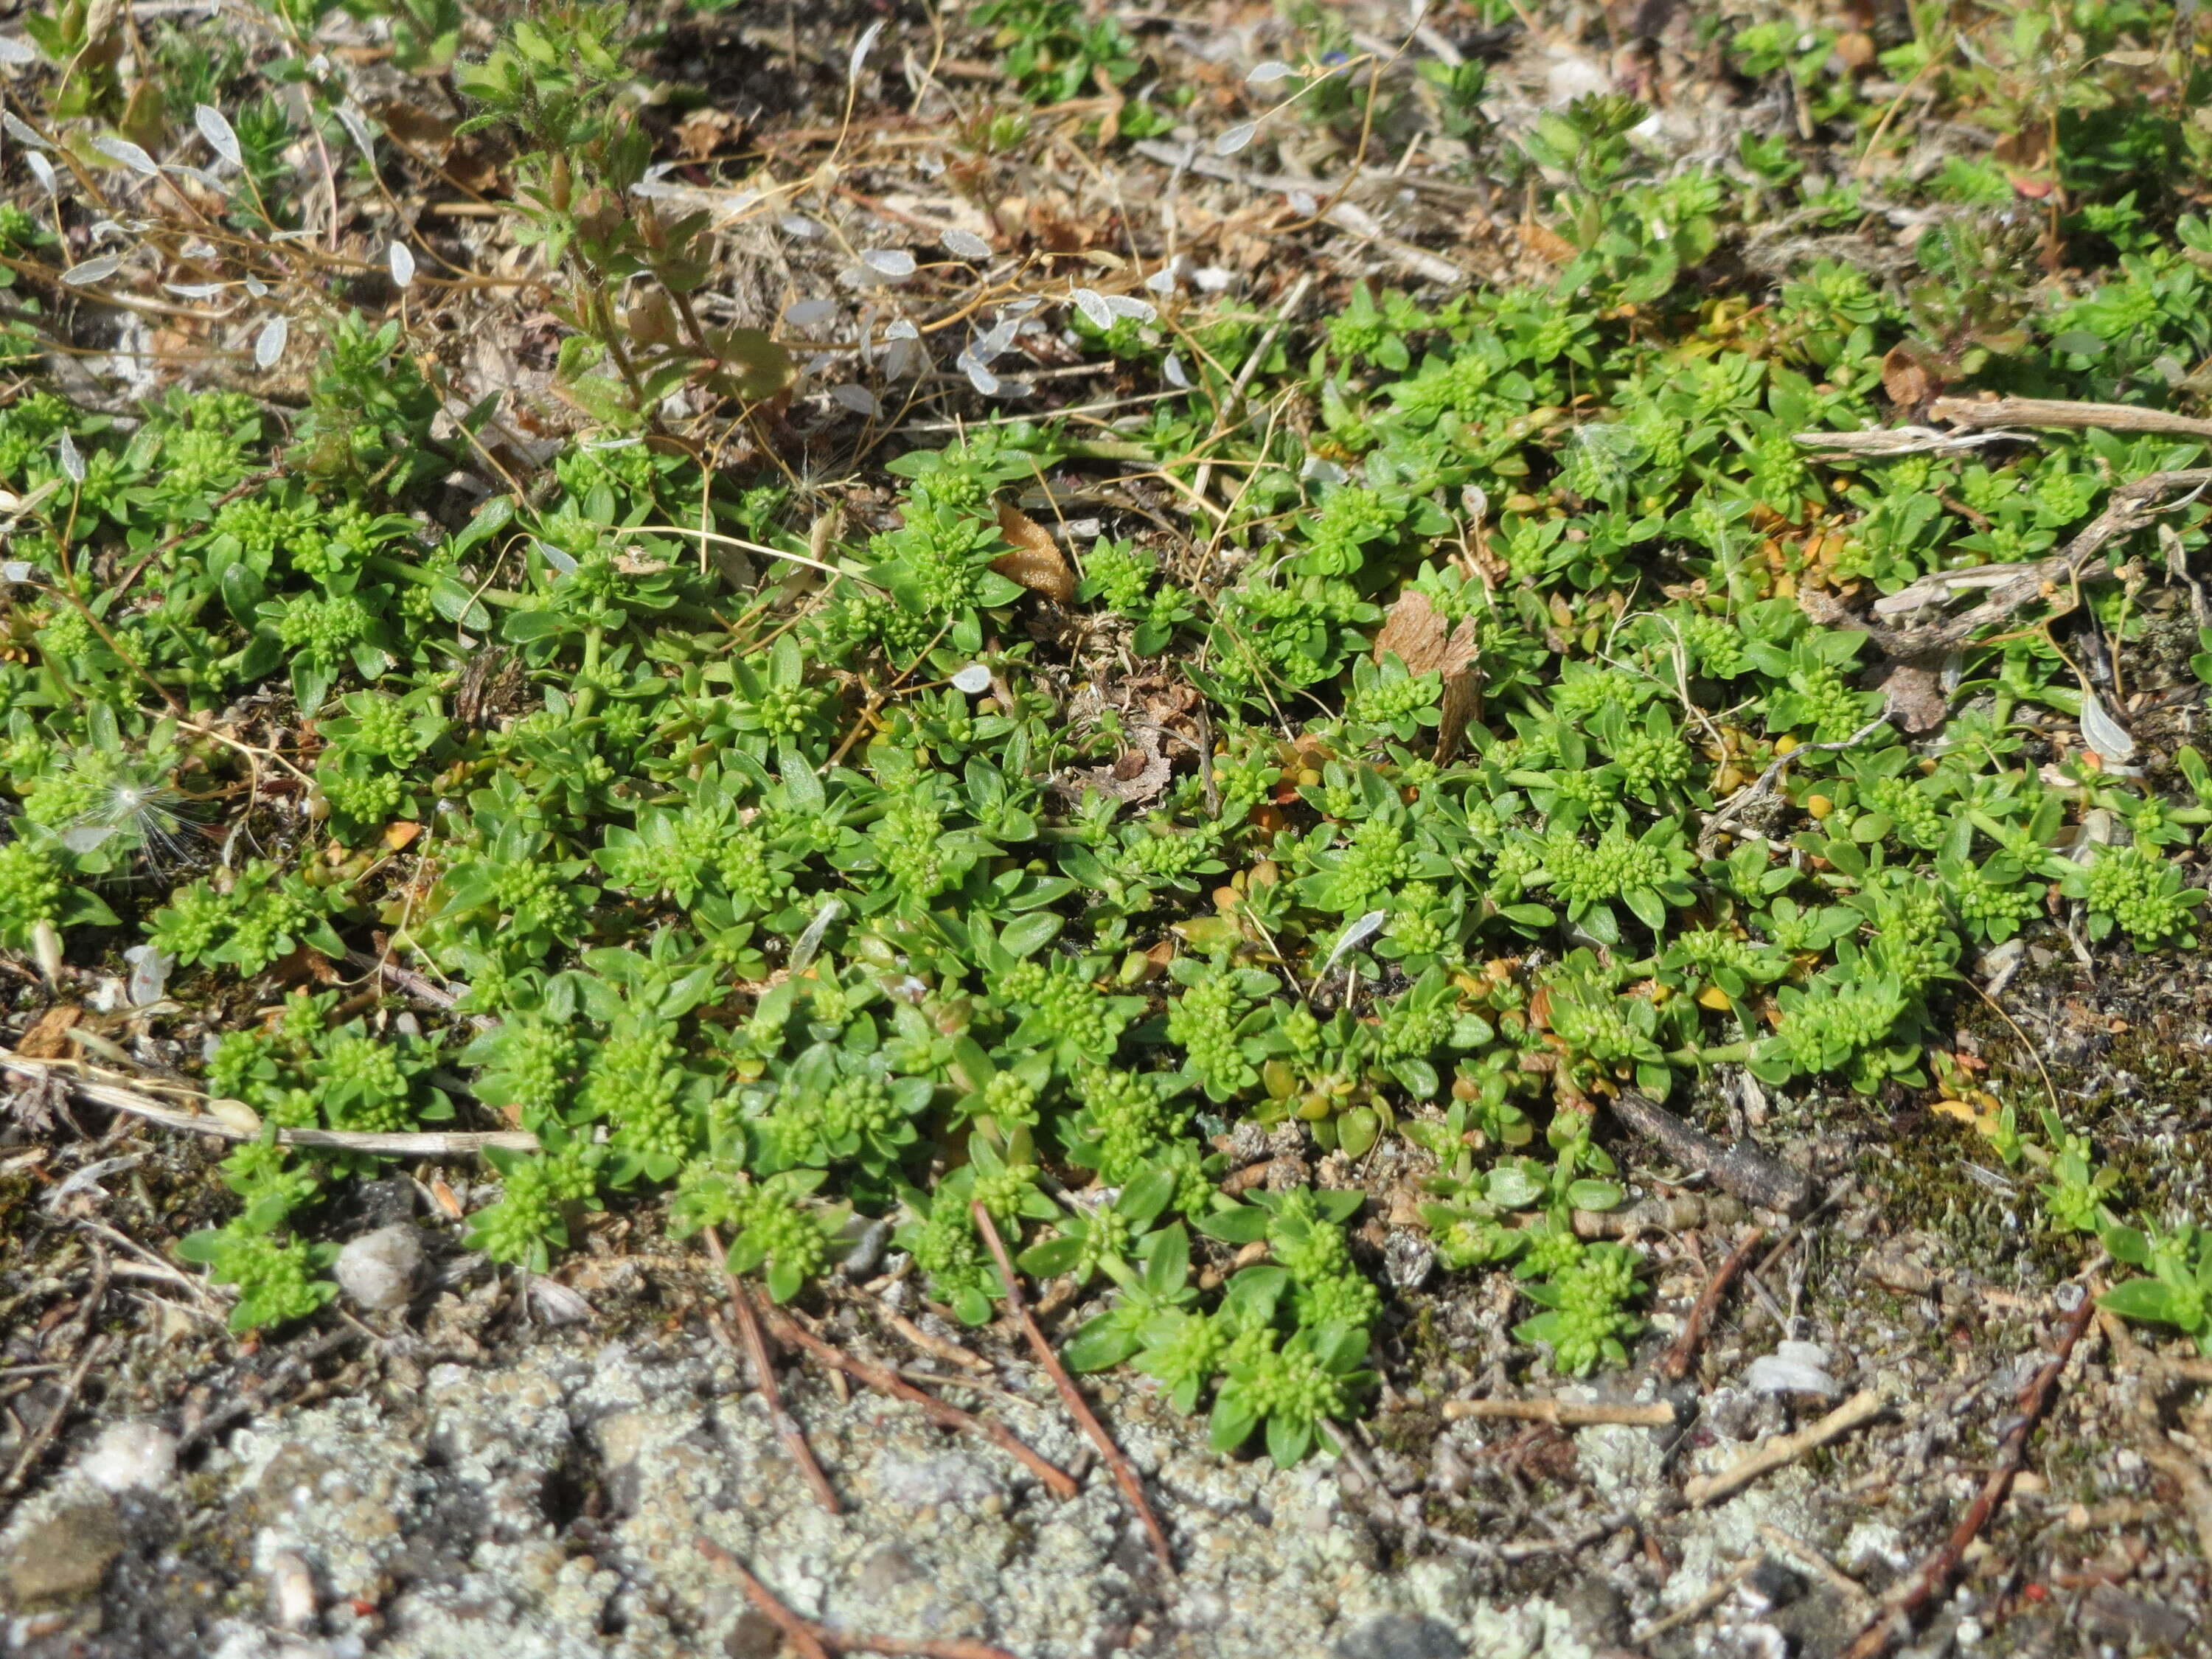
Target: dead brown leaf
{"points": [[1137, 776], [1036, 561], [1427, 643], [1424, 639], [1546, 244], [48, 1038], [1906, 378]]}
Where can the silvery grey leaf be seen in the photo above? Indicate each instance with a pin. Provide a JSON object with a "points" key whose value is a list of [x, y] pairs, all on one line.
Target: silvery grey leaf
{"points": [[1162, 281], [601, 445], [215, 128], [1010, 389], [1092, 304], [799, 226], [401, 262], [1355, 936], [43, 170], [995, 343], [87, 836], [269, 344], [902, 329], [972, 680], [15, 51], [1266, 74], [858, 398], [805, 313], [92, 270], [72, 462], [198, 175], [257, 287], [1123, 305], [356, 126], [1236, 138], [17, 570], [978, 376], [966, 244], [802, 953], [1177, 376], [2102, 732], [553, 555], [1023, 307], [903, 359], [888, 261], [131, 156], [149, 974], [860, 47]]}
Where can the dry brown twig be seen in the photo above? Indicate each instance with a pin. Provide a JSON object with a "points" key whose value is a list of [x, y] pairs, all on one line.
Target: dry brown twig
{"points": [[35, 1447], [814, 1640], [1860, 1409], [1905, 1599], [787, 1426], [1564, 1414], [1806, 1555], [95, 1092], [1124, 1476], [936, 1346], [787, 1329], [1680, 1357], [1720, 1590], [2058, 414], [1738, 1167]]}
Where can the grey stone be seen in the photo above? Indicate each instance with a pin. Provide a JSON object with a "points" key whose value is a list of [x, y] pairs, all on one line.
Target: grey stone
{"points": [[1399, 1636], [63, 1558]]}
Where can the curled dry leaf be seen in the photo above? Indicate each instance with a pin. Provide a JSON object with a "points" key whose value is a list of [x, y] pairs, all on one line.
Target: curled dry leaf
{"points": [[2104, 733], [1036, 561], [1905, 376], [1426, 642], [1137, 776]]}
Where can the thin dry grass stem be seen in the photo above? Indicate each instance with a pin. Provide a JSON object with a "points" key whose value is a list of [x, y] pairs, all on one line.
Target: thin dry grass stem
{"points": [[1860, 1409], [756, 1345], [1721, 1589], [1680, 1357], [787, 1329], [1124, 1475], [814, 1640], [936, 1346], [43, 1436], [1902, 1606], [1231, 412], [1563, 1414], [86, 1084], [245, 748]]}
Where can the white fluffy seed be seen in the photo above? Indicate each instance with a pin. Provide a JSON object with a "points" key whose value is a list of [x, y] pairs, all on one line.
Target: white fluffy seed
{"points": [[380, 1269]]}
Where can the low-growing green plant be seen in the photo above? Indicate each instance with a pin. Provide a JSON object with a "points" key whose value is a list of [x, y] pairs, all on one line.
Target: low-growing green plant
{"points": [[1484, 757]]}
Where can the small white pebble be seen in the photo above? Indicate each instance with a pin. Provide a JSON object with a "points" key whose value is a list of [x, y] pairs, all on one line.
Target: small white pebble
{"points": [[131, 1457], [291, 1592], [381, 1269]]}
